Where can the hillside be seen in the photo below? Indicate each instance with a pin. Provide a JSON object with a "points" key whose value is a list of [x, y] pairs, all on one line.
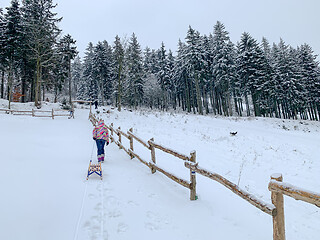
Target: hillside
{"points": [[46, 196]]}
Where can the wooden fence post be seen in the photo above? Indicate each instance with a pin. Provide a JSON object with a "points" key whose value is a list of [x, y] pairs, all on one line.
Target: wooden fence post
{"points": [[193, 195], [153, 156], [111, 132], [32, 112], [119, 135], [131, 142], [52, 114], [278, 219]]}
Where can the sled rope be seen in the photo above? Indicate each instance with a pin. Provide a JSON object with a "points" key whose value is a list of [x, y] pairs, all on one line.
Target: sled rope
{"points": [[102, 208], [82, 204]]}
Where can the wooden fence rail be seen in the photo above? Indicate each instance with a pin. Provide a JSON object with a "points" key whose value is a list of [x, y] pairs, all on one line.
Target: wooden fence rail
{"points": [[265, 207], [276, 186], [52, 113], [151, 145]]}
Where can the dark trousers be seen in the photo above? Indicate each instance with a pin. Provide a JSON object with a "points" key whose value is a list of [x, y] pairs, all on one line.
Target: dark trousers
{"points": [[100, 146]]}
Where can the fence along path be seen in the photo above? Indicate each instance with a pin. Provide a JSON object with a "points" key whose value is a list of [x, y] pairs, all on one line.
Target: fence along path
{"points": [[276, 186], [41, 113]]}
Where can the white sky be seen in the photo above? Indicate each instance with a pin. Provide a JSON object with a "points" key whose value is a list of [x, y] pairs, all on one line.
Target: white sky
{"points": [[295, 21]]}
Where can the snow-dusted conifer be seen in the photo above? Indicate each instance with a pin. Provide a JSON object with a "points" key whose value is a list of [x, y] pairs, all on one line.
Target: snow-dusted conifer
{"points": [[134, 81], [118, 68]]}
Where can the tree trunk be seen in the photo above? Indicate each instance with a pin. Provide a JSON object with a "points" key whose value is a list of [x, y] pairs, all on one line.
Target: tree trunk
{"points": [[247, 104], [2, 84], [10, 83], [69, 78], [37, 100], [198, 95], [119, 87]]}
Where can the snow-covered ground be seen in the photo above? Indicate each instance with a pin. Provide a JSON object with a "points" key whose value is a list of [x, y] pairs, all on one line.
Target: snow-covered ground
{"points": [[44, 194]]}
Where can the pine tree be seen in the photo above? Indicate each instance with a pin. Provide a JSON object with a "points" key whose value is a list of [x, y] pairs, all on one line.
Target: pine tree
{"points": [[41, 27], [2, 52], [90, 88], [250, 71], [12, 37], [134, 83], [194, 63], [163, 75], [310, 81], [68, 50], [223, 69], [180, 78], [118, 58], [77, 77]]}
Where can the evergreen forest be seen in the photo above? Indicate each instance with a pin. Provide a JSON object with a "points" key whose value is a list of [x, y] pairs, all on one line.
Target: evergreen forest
{"points": [[208, 74]]}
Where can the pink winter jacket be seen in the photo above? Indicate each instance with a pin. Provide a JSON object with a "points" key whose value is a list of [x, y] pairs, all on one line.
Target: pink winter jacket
{"points": [[101, 131]]}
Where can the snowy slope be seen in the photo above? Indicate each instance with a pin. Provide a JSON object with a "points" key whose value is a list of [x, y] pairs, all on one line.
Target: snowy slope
{"points": [[45, 194]]}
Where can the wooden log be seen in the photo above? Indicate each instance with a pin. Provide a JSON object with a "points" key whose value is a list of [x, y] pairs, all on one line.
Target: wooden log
{"points": [[111, 128], [119, 135], [22, 114], [170, 151], [193, 181], [295, 192], [139, 158], [139, 140], [42, 116], [265, 207], [171, 176], [21, 111], [153, 156], [43, 111], [131, 141], [278, 219], [124, 134]]}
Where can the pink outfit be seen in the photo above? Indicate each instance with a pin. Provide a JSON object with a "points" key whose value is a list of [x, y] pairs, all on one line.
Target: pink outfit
{"points": [[101, 131]]}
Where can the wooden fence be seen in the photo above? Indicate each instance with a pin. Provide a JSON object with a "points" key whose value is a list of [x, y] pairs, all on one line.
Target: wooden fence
{"points": [[276, 186], [41, 113]]}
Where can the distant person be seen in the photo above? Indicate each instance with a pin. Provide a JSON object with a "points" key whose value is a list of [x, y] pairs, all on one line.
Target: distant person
{"points": [[96, 104], [101, 136]]}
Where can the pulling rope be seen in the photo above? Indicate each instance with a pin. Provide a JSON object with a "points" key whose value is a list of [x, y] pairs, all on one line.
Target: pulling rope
{"points": [[102, 209], [82, 204]]}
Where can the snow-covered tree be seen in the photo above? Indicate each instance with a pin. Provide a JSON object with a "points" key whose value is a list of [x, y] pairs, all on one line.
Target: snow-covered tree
{"points": [[118, 58], [134, 81]]}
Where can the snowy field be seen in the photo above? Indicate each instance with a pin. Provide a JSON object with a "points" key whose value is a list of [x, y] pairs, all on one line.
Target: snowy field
{"points": [[44, 194]]}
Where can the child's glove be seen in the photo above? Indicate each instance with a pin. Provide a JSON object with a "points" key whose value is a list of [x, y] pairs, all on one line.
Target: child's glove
{"points": [[94, 138], [107, 143]]}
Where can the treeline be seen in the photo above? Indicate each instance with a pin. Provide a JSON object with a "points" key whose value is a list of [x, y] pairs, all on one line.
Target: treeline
{"points": [[208, 74], [34, 57]]}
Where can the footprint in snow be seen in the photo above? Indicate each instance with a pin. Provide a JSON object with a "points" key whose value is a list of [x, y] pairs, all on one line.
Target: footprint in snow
{"points": [[122, 227], [114, 214]]}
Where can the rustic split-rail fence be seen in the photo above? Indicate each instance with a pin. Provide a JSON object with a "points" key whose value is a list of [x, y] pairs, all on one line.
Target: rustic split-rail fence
{"points": [[276, 186], [41, 113]]}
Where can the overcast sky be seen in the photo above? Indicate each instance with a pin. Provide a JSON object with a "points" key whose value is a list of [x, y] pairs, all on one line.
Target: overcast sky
{"points": [[153, 22]]}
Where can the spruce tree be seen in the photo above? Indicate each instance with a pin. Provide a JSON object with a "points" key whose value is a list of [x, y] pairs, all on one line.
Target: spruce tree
{"points": [[310, 81], [2, 52], [41, 26], [90, 87], [12, 42], [134, 81], [223, 69], [118, 58], [77, 78], [68, 50]]}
